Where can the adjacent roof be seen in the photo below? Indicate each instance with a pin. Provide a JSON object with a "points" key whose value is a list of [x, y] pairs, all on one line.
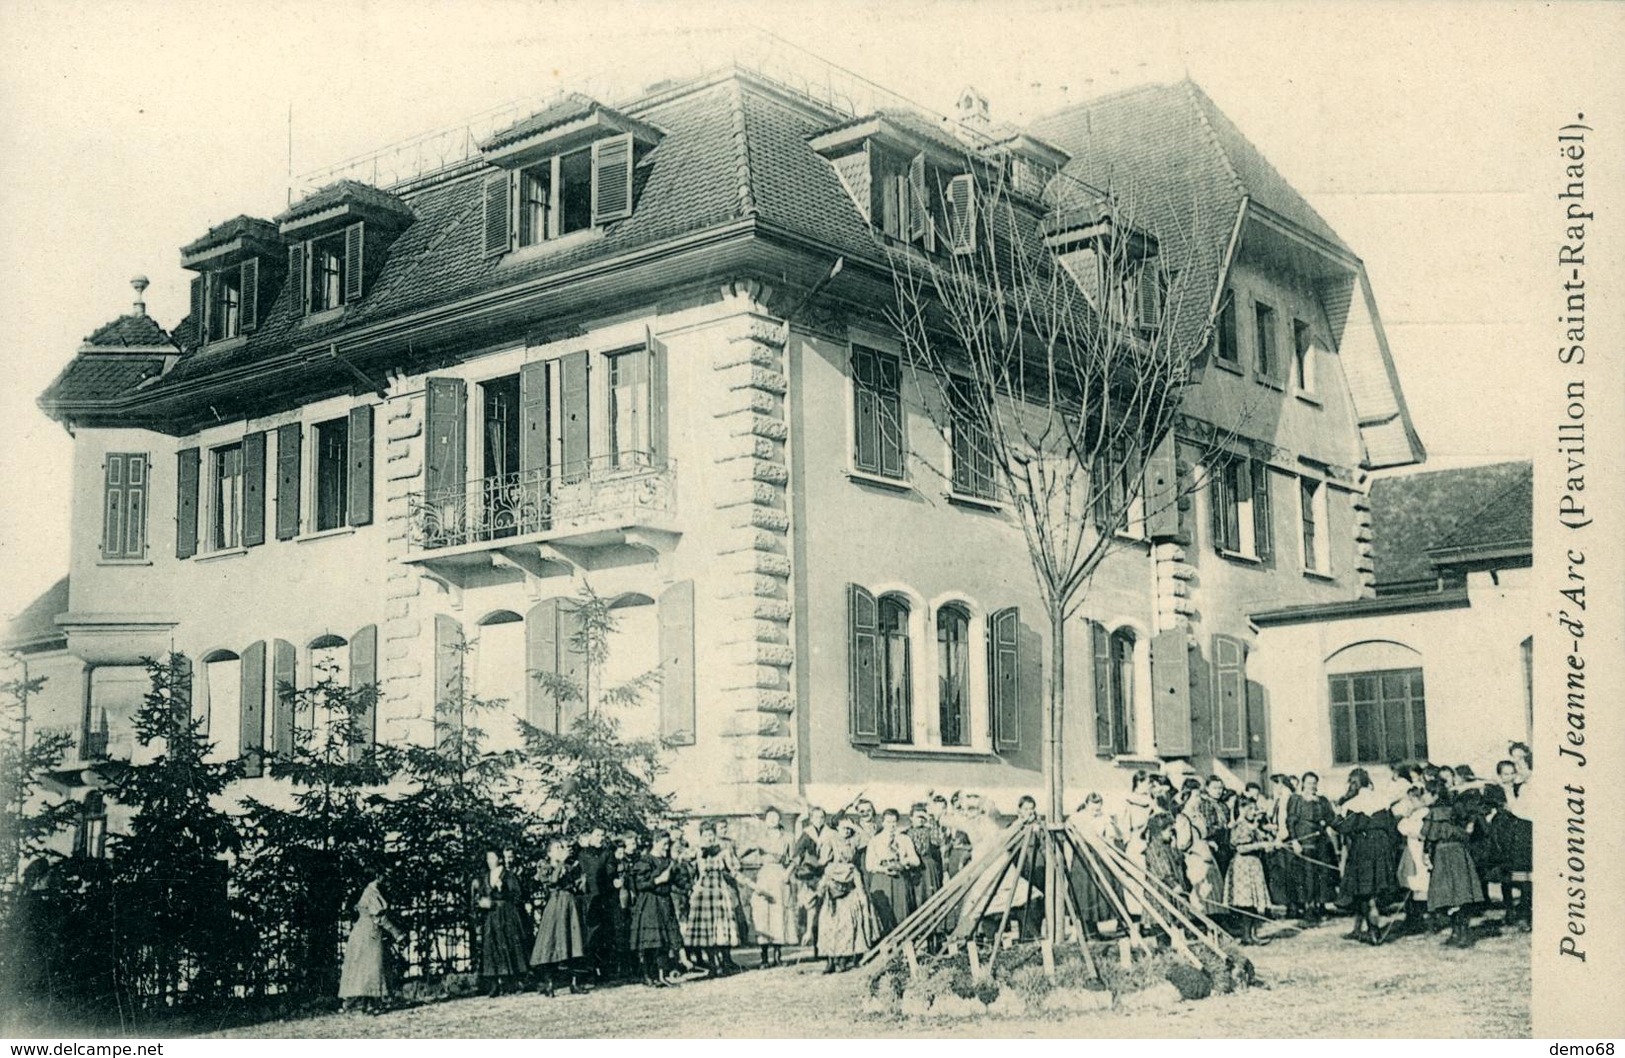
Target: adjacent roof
{"points": [[1468, 511], [104, 376], [240, 226], [346, 193], [136, 330], [36, 628]]}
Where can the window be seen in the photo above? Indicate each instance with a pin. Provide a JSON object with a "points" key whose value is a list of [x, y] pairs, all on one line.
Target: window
{"points": [[1241, 508], [953, 675], [327, 272], [225, 304], [1378, 717], [1312, 511], [1303, 358], [535, 203], [1122, 691], [500, 411], [575, 191], [124, 506], [877, 416], [558, 195], [1228, 348], [222, 701], [90, 833], [896, 673], [1265, 362], [226, 510], [332, 474], [906, 204], [629, 408], [116, 694], [1120, 496], [971, 448], [1151, 287]]}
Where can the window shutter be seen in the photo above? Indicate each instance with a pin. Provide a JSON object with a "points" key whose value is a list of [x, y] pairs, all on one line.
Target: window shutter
{"points": [[187, 462], [251, 709], [361, 465], [363, 682], [135, 505], [892, 205], [1263, 521], [918, 213], [1148, 296], [542, 657], [446, 412], [1100, 652], [113, 531], [497, 198], [611, 179], [249, 284], [889, 409], [572, 664], [863, 666], [1229, 697], [1220, 505], [282, 691], [298, 278], [659, 421], [1171, 690], [573, 394], [354, 262], [254, 489], [1004, 683], [200, 301], [448, 678], [677, 712], [962, 213], [1257, 726], [289, 442], [1162, 490], [865, 412]]}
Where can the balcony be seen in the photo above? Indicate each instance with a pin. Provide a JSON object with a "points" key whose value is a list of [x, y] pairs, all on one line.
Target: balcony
{"points": [[588, 514]]}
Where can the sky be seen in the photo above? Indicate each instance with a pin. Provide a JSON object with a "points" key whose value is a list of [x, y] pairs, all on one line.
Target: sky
{"points": [[1422, 132]]}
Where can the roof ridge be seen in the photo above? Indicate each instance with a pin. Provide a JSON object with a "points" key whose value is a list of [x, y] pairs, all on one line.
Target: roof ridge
{"points": [[741, 138], [1203, 103]]}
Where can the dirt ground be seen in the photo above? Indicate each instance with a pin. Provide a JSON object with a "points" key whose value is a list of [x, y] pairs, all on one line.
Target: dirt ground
{"points": [[1315, 984]]}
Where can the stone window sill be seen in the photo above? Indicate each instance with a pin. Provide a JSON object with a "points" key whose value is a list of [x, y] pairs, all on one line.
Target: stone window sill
{"points": [[124, 562], [980, 503], [864, 477], [223, 553], [1319, 574], [906, 752], [325, 534]]}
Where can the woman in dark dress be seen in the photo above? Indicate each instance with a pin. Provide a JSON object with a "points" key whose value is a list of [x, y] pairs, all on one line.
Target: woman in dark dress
{"points": [[1453, 882], [560, 939], [1312, 881], [497, 895], [1368, 873], [656, 935]]}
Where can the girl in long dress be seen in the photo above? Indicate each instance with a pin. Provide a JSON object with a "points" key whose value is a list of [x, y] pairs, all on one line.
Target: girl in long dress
{"points": [[888, 860], [502, 936], [1245, 887], [1368, 871], [1191, 838], [772, 901], [1309, 817], [655, 935], [846, 926], [364, 981], [560, 940], [713, 909], [1453, 882], [1413, 864]]}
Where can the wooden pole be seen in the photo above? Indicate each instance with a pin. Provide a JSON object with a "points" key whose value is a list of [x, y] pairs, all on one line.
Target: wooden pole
{"points": [[1010, 901]]}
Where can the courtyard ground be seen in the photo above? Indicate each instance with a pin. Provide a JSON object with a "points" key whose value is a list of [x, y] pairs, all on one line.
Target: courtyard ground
{"points": [[1314, 983]]}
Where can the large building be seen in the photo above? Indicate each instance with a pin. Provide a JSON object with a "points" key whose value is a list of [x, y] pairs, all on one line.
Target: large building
{"points": [[608, 348]]}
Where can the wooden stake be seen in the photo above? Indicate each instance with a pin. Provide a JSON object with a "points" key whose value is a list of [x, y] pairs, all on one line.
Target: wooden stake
{"points": [[1010, 901], [975, 961], [913, 960], [1048, 951], [1125, 953]]}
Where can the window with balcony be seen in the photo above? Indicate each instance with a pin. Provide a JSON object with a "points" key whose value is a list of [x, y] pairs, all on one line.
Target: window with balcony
{"points": [[115, 694], [124, 506], [877, 413], [226, 506], [1378, 716], [628, 408]]}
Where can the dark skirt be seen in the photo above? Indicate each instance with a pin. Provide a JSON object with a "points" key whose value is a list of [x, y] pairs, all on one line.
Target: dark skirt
{"points": [[1453, 881], [654, 924], [1092, 901], [1520, 845], [559, 938], [892, 898], [1369, 870], [502, 941], [1278, 875], [1312, 884]]}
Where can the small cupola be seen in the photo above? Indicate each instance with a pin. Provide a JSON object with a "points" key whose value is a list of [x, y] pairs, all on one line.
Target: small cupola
{"points": [[135, 332], [337, 240], [570, 167], [238, 266]]}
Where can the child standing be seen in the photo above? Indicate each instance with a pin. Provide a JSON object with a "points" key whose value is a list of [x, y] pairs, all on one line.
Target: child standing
{"points": [[655, 934], [560, 940], [1453, 883]]}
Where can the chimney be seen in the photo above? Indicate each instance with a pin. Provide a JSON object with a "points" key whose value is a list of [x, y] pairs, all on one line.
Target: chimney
{"points": [[973, 110], [140, 285]]}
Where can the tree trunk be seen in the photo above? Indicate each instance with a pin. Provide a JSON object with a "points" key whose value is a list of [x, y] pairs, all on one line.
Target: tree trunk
{"points": [[1054, 780]]}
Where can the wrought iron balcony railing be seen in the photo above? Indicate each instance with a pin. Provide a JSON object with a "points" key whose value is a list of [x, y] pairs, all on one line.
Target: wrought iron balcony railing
{"points": [[569, 498]]}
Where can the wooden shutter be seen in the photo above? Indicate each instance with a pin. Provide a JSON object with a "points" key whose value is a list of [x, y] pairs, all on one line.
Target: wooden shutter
{"points": [[918, 212], [863, 666], [1162, 490], [1148, 296], [187, 464], [542, 657], [892, 209], [1004, 680], [676, 616], [1221, 503], [446, 412], [282, 692], [659, 421], [1229, 697], [1263, 521], [961, 203], [363, 682], [866, 411], [113, 530], [448, 677], [200, 302], [497, 197], [611, 179], [1257, 727], [1100, 653], [289, 462], [249, 286], [533, 417], [254, 489], [360, 498], [135, 505], [299, 278], [1171, 693], [251, 709], [572, 664], [889, 414], [573, 447], [355, 248]]}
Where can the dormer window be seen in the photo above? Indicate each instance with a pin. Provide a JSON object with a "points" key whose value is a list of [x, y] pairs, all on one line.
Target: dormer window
{"points": [[327, 271], [338, 239], [566, 169], [225, 304], [238, 268]]}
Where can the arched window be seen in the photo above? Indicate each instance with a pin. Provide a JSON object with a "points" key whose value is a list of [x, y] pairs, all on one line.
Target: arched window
{"points": [[897, 672], [497, 675], [1122, 690], [953, 674], [329, 661], [220, 704]]}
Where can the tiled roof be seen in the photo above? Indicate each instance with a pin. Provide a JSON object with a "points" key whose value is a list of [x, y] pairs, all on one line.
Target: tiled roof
{"points": [[1413, 514], [572, 107], [102, 376], [36, 626], [346, 192], [241, 225], [126, 331]]}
